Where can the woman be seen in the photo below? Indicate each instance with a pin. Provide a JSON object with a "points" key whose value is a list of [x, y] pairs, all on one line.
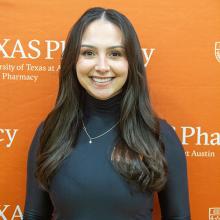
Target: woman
{"points": [[102, 152]]}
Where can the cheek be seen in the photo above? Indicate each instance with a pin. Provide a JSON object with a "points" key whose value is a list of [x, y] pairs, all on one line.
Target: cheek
{"points": [[84, 66], [121, 68]]}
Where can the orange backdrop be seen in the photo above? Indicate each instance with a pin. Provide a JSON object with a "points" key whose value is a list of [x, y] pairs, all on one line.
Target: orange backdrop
{"points": [[181, 44]]}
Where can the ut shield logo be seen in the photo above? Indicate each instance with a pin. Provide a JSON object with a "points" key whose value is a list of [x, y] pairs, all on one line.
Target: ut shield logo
{"points": [[217, 51], [214, 213]]}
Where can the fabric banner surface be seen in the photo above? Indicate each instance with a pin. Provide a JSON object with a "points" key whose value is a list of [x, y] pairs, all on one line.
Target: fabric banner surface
{"points": [[181, 47]]}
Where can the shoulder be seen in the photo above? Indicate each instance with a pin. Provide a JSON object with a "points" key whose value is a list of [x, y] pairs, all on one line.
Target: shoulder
{"points": [[39, 128], [36, 138], [38, 131], [167, 132], [172, 143], [165, 128]]}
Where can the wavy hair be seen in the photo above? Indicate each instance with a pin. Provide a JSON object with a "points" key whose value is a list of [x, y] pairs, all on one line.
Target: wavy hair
{"points": [[139, 153]]}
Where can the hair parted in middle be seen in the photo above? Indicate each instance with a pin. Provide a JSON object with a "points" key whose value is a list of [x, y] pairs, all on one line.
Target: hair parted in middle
{"points": [[139, 153]]}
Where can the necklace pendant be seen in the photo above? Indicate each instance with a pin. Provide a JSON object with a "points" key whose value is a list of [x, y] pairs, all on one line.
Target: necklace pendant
{"points": [[90, 138]]}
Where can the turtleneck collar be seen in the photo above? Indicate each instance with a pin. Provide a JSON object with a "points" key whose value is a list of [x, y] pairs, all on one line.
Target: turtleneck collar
{"points": [[105, 107]]}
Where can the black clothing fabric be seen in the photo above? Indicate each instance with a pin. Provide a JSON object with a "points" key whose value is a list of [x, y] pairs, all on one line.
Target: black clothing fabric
{"points": [[86, 185]]}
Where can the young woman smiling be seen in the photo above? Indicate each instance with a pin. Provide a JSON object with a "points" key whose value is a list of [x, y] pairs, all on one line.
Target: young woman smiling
{"points": [[102, 152]]}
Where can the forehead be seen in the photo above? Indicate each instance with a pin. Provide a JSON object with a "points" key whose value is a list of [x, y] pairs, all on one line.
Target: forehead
{"points": [[102, 33]]}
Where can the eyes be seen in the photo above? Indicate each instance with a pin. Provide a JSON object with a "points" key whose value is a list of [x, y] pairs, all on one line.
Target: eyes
{"points": [[89, 53]]}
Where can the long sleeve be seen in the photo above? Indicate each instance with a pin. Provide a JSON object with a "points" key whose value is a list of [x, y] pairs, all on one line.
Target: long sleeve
{"points": [[38, 205], [174, 198]]}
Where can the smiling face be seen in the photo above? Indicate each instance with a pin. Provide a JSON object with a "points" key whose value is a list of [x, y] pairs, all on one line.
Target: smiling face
{"points": [[102, 66]]}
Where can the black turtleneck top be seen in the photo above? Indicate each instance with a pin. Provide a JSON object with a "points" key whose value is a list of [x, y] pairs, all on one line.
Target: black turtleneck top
{"points": [[87, 187]]}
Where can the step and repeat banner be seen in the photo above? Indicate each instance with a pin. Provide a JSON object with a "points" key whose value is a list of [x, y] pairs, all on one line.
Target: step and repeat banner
{"points": [[181, 47]]}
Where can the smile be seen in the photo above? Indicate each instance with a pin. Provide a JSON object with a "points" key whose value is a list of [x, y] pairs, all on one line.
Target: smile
{"points": [[102, 80]]}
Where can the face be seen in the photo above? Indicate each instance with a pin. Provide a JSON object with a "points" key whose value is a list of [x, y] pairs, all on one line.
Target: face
{"points": [[102, 66]]}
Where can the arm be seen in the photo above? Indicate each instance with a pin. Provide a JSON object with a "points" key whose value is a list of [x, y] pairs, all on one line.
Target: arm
{"points": [[38, 205], [174, 198]]}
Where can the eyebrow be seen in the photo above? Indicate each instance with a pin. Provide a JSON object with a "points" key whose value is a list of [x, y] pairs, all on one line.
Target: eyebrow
{"points": [[112, 47]]}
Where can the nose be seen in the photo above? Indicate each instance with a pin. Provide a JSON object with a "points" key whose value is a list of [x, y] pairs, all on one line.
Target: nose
{"points": [[102, 65]]}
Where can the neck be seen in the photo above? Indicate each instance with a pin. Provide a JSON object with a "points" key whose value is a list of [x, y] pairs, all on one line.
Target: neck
{"points": [[101, 115], [109, 107]]}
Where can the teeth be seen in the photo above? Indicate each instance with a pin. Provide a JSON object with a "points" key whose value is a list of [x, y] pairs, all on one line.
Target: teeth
{"points": [[101, 80]]}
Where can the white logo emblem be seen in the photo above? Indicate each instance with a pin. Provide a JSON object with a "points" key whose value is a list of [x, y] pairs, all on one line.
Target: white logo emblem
{"points": [[217, 51], [214, 213]]}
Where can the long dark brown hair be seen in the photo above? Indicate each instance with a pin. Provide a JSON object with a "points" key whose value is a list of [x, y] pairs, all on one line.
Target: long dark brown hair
{"points": [[139, 153]]}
